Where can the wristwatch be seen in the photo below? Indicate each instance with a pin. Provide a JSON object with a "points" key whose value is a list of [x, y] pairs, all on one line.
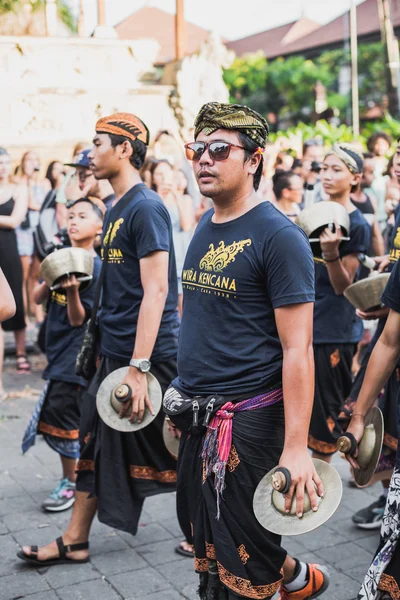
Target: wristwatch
{"points": [[143, 364]]}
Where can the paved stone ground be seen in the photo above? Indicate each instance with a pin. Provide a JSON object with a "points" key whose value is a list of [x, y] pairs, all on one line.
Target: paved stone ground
{"points": [[125, 567]]}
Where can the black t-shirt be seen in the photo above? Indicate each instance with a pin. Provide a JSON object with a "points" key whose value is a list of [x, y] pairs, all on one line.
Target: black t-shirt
{"points": [[143, 226], [394, 243], [335, 319], [391, 294], [63, 341], [235, 274]]}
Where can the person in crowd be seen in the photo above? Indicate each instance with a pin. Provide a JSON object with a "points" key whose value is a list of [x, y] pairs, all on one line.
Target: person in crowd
{"points": [[57, 414], [337, 329], [13, 207], [145, 171], [8, 307], [55, 174], [382, 581], [180, 207], [379, 145], [312, 157], [138, 329], [248, 283], [288, 191], [371, 516], [83, 184], [284, 161], [37, 188]]}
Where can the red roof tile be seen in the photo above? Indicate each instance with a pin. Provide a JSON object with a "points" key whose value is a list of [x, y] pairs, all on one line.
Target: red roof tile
{"points": [[150, 22]]}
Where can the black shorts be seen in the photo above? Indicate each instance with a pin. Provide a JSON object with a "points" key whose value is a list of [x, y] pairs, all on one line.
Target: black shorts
{"points": [[333, 381], [60, 415]]}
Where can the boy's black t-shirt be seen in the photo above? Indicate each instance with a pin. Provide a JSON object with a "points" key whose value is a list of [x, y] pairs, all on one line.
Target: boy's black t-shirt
{"points": [[391, 294], [63, 341], [235, 274], [143, 227], [335, 319]]}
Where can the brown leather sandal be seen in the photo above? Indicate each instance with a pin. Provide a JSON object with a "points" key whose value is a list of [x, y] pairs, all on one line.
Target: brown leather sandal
{"points": [[62, 559]]}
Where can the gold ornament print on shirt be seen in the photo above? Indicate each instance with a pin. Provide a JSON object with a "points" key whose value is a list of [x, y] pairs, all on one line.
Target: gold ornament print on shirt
{"points": [[218, 258]]}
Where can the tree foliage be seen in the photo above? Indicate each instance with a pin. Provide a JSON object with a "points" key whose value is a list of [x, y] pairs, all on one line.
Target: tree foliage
{"points": [[63, 8], [286, 86]]}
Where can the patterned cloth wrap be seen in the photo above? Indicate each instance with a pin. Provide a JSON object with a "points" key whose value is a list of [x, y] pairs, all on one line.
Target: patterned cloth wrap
{"points": [[218, 439]]}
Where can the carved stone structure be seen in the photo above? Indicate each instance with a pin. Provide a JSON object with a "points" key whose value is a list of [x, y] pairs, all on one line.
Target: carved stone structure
{"points": [[198, 79], [54, 90]]}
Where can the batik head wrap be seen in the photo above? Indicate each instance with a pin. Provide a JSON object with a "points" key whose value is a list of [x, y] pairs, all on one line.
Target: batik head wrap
{"points": [[124, 124], [349, 156], [214, 115]]}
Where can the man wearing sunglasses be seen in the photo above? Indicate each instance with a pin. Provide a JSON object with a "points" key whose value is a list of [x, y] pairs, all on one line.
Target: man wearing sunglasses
{"points": [[246, 333]]}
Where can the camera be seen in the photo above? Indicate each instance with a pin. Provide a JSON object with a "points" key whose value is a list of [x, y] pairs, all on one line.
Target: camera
{"points": [[60, 240], [315, 166]]}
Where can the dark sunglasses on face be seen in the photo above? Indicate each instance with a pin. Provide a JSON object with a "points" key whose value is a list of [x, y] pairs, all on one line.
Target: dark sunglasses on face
{"points": [[216, 150]]}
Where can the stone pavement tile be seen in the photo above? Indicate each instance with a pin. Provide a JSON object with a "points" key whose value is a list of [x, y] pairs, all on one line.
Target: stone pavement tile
{"points": [[160, 506], [89, 590], [189, 592], [146, 581], [166, 595], [293, 545], [21, 584], [369, 543], [341, 587], [107, 542], [28, 520], [37, 536], [43, 596], [342, 513], [98, 528], [322, 538], [113, 563], [358, 573], [181, 574], [147, 534], [62, 575], [344, 556], [172, 526], [9, 488], [9, 561], [3, 528], [348, 530], [161, 553], [19, 504]]}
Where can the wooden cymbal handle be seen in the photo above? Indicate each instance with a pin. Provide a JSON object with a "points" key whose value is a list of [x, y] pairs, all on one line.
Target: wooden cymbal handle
{"points": [[281, 480], [123, 393], [347, 443]]}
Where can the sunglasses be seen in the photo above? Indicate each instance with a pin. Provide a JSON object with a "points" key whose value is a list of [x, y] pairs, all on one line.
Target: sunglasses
{"points": [[216, 150]]}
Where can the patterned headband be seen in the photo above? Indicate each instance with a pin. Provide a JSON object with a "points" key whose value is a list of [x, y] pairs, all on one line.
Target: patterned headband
{"points": [[349, 156], [214, 115], [126, 125]]}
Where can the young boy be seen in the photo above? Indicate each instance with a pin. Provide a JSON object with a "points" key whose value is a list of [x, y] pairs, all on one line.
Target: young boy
{"points": [[68, 310]]}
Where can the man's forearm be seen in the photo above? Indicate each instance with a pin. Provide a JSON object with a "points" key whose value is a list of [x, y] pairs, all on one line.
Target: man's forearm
{"points": [[339, 276], [150, 314], [298, 394], [380, 367], [76, 310]]}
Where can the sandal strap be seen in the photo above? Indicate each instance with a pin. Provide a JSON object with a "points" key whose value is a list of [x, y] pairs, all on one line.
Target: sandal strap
{"points": [[34, 551], [63, 549]]}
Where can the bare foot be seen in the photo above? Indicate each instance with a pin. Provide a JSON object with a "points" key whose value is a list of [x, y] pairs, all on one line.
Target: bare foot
{"points": [[51, 551]]}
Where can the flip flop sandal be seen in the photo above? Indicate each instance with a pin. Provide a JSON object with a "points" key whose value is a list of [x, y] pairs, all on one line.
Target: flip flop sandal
{"points": [[62, 559], [23, 364], [183, 552]]}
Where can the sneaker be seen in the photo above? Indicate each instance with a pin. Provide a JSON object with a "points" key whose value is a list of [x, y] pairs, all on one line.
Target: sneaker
{"points": [[61, 498], [371, 516], [318, 582]]}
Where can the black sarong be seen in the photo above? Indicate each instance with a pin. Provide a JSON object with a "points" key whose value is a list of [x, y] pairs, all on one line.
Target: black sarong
{"points": [[248, 558], [333, 380], [122, 469]]}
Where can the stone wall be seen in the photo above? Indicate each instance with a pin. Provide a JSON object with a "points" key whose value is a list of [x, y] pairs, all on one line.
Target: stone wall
{"points": [[54, 89]]}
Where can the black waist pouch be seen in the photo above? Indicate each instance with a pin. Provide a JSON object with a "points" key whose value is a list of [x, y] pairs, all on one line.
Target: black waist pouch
{"points": [[191, 414]]}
